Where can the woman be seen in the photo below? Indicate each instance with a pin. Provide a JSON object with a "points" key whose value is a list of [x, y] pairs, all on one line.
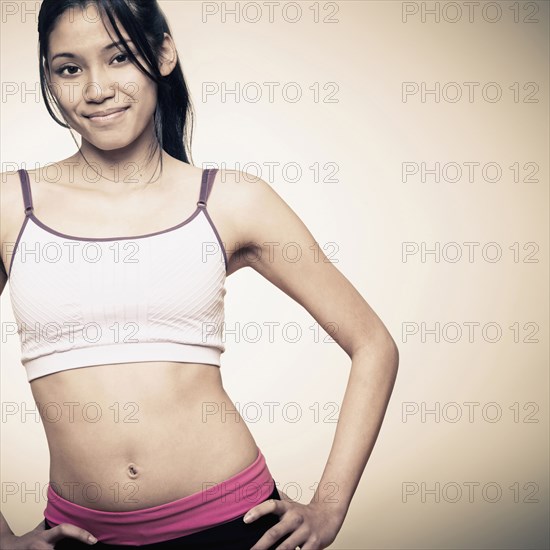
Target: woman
{"points": [[136, 298]]}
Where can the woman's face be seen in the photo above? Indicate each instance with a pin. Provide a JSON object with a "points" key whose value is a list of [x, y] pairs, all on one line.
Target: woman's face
{"points": [[89, 74]]}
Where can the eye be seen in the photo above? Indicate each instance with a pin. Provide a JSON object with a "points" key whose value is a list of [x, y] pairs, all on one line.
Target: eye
{"points": [[120, 59], [123, 55], [66, 67]]}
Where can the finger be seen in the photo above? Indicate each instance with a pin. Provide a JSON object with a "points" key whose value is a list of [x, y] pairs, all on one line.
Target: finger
{"points": [[42, 545], [298, 539], [311, 544], [67, 530], [41, 526], [274, 535], [271, 506]]}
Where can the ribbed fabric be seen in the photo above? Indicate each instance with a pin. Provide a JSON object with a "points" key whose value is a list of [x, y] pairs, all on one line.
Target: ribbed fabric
{"points": [[80, 302]]}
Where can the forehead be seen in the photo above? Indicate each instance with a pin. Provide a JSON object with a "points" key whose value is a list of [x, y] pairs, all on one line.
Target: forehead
{"points": [[83, 29]]}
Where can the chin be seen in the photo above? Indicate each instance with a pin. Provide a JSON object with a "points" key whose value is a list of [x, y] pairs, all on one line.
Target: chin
{"points": [[108, 144], [111, 145]]}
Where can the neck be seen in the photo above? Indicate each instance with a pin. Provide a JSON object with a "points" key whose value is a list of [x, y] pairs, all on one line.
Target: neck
{"points": [[131, 166]]}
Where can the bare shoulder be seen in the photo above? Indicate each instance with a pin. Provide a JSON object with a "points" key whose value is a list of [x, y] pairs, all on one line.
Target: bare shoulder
{"points": [[243, 186], [247, 202], [12, 216], [12, 210], [9, 182]]}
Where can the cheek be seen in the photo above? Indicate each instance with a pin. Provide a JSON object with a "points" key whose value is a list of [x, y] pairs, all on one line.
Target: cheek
{"points": [[59, 92], [69, 95], [142, 94]]}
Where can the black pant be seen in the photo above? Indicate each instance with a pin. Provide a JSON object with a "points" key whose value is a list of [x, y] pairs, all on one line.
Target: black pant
{"points": [[233, 535]]}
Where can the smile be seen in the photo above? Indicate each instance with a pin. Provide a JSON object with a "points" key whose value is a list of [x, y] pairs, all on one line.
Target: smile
{"points": [[107, 118]]}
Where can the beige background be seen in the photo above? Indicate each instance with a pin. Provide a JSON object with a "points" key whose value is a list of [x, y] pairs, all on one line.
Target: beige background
{"points": [[368, 212]]}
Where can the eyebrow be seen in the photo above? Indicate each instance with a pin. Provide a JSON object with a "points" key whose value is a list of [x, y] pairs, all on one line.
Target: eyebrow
{"points": [[105, 49]]}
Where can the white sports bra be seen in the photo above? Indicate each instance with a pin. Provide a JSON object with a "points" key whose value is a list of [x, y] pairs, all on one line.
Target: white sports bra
{"points": [[80, 302]]}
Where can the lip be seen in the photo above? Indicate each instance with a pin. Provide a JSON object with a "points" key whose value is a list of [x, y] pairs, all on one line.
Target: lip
{"points": [[107, 115]]}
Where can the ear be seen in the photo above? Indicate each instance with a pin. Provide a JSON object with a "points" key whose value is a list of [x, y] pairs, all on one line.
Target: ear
{"points": [[168, 55]]}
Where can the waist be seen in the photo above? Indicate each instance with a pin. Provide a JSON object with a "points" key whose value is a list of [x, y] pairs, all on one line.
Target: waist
{"points": [[158, 428], [214, 504]]}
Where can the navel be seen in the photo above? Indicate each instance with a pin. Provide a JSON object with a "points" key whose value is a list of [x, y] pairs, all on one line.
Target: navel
{"points": [[132, 471]]}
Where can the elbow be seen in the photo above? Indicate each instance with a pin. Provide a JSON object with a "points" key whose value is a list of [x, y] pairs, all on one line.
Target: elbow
{"points": [[383, 346], [390, 351], [394, 354]]}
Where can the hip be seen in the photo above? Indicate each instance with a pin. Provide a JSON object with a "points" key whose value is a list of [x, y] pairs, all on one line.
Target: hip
{"points": [[208, 519]]}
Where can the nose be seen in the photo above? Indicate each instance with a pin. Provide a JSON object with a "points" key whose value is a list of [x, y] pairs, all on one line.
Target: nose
{"points": [[100, 86]]}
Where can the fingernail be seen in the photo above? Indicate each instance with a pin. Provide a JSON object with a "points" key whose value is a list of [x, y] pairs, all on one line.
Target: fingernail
{"points": [[92, 540], [247, 518]]}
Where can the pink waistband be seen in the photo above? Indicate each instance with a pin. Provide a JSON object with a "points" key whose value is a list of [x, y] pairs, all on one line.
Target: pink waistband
{"points": [[217, 504]]}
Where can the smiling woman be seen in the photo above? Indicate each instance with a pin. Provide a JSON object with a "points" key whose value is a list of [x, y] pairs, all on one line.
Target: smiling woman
{"points": [[109, 83], [144, 328]]}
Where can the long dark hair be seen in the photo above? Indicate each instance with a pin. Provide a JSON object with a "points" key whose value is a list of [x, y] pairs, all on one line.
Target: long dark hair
{"points": [[146, 24]]}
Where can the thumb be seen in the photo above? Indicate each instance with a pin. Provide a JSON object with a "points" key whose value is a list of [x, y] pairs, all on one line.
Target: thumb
{"points": [[41, 526], [67, 530]]}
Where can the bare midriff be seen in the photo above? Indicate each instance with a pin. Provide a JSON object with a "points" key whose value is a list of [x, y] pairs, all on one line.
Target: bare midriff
{"points": [[134, 435]]}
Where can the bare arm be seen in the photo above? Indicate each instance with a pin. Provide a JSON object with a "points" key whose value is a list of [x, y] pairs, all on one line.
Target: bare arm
{"points": [[370, 384], [3, 217], [5, 530], [316, 284], [3, 278], [4, 527]]}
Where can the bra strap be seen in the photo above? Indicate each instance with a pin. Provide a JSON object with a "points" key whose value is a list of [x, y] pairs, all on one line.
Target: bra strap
{"points": [[26, 188], [208, 177]]}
